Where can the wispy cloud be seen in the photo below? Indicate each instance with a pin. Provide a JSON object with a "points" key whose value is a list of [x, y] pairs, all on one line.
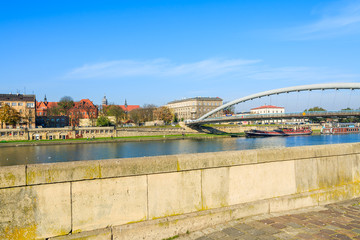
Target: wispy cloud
{"points": [[336, 20], [159, 68], [217, 69]]}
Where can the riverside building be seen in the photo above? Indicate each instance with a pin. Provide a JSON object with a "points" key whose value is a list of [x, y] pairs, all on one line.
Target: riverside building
{"points": [[193, 108], [24, 105]]}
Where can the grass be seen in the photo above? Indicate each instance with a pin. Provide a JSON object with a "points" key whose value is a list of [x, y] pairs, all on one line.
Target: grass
{"points": [[174, 136]]}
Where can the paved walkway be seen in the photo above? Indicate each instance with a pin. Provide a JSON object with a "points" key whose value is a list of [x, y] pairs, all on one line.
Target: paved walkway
{"points": [[334, 221]]}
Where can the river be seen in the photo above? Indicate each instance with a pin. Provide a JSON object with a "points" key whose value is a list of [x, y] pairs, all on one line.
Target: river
{"points": [[94, 151]]}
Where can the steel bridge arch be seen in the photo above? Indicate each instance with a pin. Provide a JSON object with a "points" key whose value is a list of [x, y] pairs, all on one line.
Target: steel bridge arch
{"points": [[311, 87]]}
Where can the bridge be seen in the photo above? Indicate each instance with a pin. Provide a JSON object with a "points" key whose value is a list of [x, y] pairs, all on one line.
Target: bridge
{"points": [[276, 116], [246, 117]]}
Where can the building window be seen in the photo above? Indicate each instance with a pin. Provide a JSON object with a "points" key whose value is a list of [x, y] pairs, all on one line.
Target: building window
{"points": [[20, 104], [30, 105], [13, 104]]}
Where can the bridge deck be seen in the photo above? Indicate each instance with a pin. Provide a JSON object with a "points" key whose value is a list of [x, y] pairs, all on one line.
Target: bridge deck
{"points": [[273, 116]]}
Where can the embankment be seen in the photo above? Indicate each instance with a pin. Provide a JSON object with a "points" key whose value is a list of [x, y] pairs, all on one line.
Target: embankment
{"points": [[159, 197]]}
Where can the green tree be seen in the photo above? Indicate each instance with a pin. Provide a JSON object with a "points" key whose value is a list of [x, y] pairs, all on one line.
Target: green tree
{"points": [[103, 121], [315, 109], [9, 116], [116, 111], [65, 104]]}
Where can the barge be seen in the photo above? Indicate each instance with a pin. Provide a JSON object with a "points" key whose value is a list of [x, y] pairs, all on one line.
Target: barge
{"points": [[282, 132]]}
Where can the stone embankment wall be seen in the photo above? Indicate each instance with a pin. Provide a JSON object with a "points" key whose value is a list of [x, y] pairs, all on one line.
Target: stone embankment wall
{"points": [[159, 197], [86, 132]]}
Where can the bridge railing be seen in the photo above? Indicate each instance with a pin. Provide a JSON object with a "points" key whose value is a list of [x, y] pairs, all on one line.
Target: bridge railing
{"points": [[240, 117]]}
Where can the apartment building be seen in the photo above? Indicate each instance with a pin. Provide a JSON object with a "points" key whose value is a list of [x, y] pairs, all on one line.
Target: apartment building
{"points": [[24, 105]]}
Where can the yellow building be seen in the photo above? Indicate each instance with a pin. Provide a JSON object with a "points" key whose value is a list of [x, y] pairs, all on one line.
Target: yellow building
{"points": [[193, 108], [24, 104]]}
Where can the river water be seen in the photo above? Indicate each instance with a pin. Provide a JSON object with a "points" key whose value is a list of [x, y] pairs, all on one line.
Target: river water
{"points": [[94, 151]]}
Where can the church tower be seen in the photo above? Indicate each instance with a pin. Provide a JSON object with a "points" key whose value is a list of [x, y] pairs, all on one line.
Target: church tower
{"points": [[104, 101]]}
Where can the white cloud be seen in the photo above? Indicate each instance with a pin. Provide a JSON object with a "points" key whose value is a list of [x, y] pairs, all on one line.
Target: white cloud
{"points": [[159, 68], [335, 21], [217, 69]]}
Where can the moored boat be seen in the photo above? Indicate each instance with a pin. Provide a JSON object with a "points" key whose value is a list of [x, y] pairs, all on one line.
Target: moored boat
{"points": [[282, 132], [341, 128]]}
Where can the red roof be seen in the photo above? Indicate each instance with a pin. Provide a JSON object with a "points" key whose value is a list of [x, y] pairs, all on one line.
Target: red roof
{"points": [[129, 107], [40, 105], [266, 107]]}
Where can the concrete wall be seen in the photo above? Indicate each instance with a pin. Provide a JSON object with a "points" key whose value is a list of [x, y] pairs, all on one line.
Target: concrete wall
{"points": [[159, 197]]}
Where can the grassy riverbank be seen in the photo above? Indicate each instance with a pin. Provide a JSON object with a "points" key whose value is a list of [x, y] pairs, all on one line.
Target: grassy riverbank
{"points": [[116, 139]]}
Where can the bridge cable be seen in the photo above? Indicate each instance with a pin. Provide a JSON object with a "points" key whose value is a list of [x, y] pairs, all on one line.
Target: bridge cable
{"points": [[348, 105], [308, 98], [334, 99], [321, 96]]}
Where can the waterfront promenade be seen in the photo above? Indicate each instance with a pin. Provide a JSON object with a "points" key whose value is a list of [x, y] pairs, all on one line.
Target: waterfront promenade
{"points": [[334, 221]]}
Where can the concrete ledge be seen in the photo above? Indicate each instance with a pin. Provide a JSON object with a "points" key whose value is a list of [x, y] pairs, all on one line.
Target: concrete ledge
{"points": [[138, 166], [12, 176], [62, 172]]}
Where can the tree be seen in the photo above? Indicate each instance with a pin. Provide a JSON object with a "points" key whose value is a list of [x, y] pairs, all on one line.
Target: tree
{"points": [[315, 109], [229, 110], [103, 121], [116, 111], [164, 113], [144, 114], [53, 111], [9, 116], [65, 104]]}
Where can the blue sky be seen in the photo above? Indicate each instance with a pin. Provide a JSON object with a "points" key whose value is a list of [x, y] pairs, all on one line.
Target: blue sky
{"points": [[153, 52]]}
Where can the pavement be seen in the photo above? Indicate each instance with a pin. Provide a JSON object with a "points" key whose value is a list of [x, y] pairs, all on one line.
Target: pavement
{"points": [[334, 221]]}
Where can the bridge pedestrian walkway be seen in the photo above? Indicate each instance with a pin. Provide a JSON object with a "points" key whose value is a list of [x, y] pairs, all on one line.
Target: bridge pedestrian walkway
{"points": [[334, 221]]}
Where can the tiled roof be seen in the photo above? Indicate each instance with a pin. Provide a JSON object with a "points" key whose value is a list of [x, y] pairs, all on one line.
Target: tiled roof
{"points": [[16, 97], [129, 107]]}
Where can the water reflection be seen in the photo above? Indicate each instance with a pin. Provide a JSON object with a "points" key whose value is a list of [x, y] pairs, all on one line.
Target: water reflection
{"points": [[94, 151]]}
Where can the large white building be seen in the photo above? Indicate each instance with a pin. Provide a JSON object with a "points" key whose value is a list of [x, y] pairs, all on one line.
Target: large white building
{"points": [[193, 108], [268, 109]]}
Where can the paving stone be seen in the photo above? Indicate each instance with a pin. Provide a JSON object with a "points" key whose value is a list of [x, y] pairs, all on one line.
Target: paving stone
{"points": [[256, 232], [248, 237], [294, 225], [203, 238], [217, 235], [283, 235], [243, 227], [232, 232], [278, 225], [342, 237], [304, 236]]}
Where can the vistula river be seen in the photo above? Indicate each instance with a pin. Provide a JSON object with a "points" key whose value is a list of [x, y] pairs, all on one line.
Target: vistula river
{"points": [[94, 151]]}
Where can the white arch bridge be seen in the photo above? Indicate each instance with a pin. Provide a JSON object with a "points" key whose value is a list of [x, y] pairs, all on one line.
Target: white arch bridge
{"points": [[205, 118]]}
